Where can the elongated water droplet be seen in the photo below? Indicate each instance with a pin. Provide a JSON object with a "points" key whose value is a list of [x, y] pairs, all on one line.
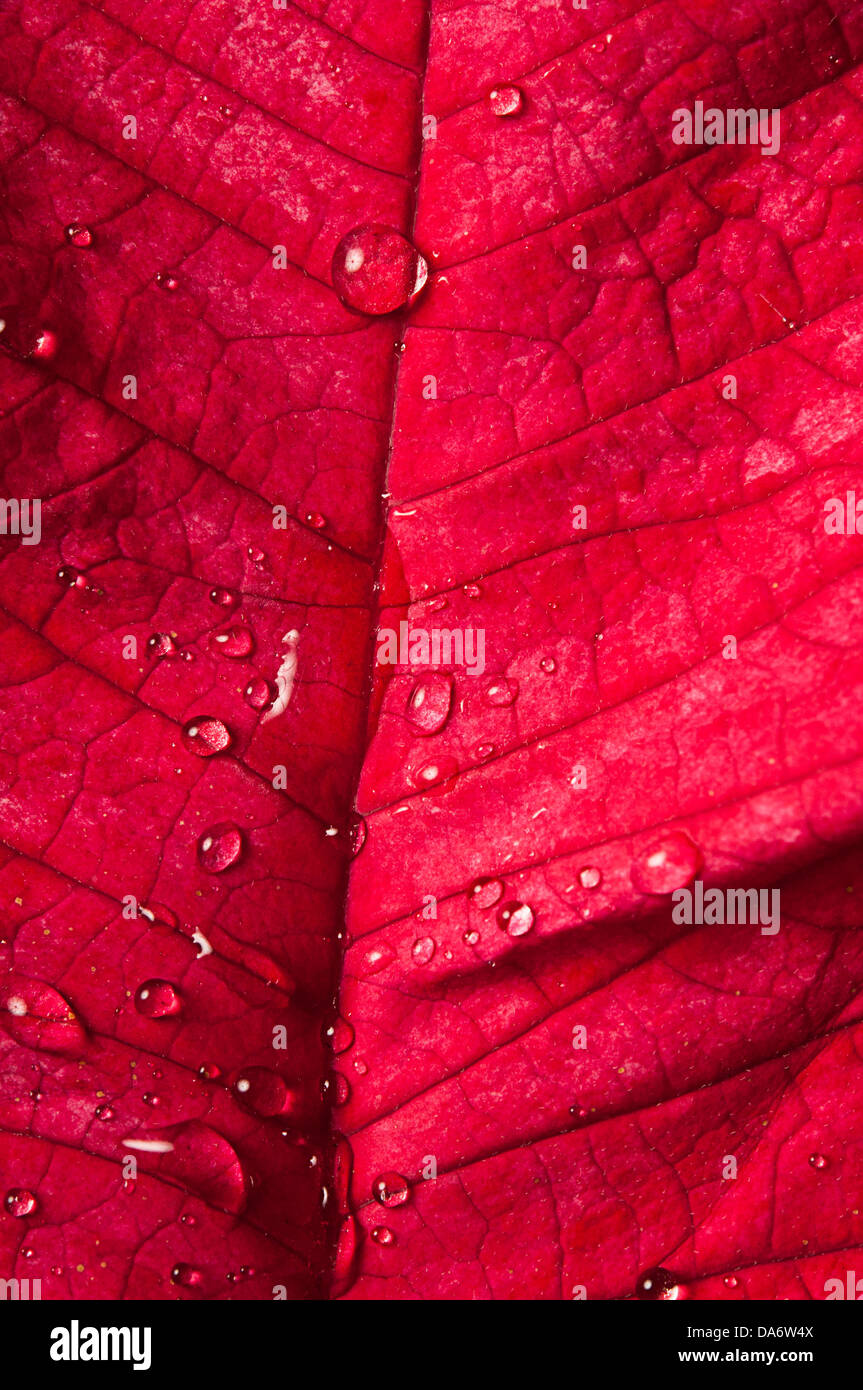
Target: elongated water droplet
{"points": [[505, 100], [35, 1015], [259, 693], [590, 878], [78, 235], [157, 999], [20, 1202], [376, 959], [224, 598], [485, 892], [671, 862], [502, 692], [235, 642], [391, 1190], [436, 773], [376, 270], [423, 950], [357, 833], [430, 701], [220, 847], [516, 919], [657, 1284], [206, 735]]}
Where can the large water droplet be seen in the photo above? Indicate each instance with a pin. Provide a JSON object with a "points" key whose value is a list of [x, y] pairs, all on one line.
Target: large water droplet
{"points": [[36, 1016], [485, 892], [671, 862], [436, 773], [206, 735], [376, 270], [157, 999], [78, 235], [161, 645], [391, 1190], [430, 701], [502, 692], [220, 847], [198, 1158], [235, 642], [20, 1202], [516, 919], [339, 1035], [505, 100], [657, 1284], [259, 693], [423, 950], [263, 1091]]}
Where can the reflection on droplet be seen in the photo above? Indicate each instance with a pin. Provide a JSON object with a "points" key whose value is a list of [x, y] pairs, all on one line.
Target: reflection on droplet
{"points": [[357, 833], [166, 280], [670, 863], [186, 1276], [818, 1161], [657, 1284], [516, 919], [209, 1071], [20, 1202], [430, 701], [157, 999], [506, 100], [104, 1113], [502, 692], [485, 892], [161, 645], [78, 235], [590, 878], [220, 847], [731, 1281], [259, 693], [434, 774], [45, 345], [235, 642], [376, 270], [206, 735], [471, 938], [391, 1190], [423, 950], [382, 1235]]}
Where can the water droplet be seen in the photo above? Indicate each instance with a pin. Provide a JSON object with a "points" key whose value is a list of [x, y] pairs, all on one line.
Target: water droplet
{"points": [[590, 878], [20, 1202], [71, 577], [548, 665], [262, 1091], [45, 345], [78, 235], [382, 1235], [161, 645], [377, 959], [502, 692], [669, 863], [357, 833], [235, 642], [224, 598], [220, 847], [208, 1071], [472, 591], [35, 1015], [186, 1276], [150, 1099], [485, 892], [315, 520], [255, 554], [516, 919], [731, 1281], [505, 100], [206, 735], [657, 1284], [361, 1067], [157, 999], [434, 774], [336, 1089], [471, 938], [259, 693], [104, 1113], [376, 270], [423, 950], [339, 1035], [818, 1161], [391, 1190], [430, 701], [166, 280]]}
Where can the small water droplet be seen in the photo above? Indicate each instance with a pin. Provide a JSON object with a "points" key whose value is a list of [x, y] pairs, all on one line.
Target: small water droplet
{"points": [[506, 100], [104, 1113], [472, 591], [161, 645], [208, 1071], [206, 735], [423, 950], [516, 919], [71, 577], [657, 1284], [357, 833], [259, 693], [360, 1067], [235, 642], [157, 999], [220, 847], [262, 1091], [339, 1035], [224, 598], [731, 1281], [377, 959], [471, 938], [484, 751], [376, 270], [430, 701], [502, 692], [186, 1276], [166, 280], [149, 1098], [669, 863], [818, 1161], [78, 235], [548, 665], [436, 773], [45, 345], [20, 1202], [382, 1235], [391, 1190], [590, 878], [485, 892], [255, 554], [336, 1089], [314, 520]]}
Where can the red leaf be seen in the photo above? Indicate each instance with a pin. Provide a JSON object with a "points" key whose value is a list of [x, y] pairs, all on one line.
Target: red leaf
{"points": [[606, 432]]}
